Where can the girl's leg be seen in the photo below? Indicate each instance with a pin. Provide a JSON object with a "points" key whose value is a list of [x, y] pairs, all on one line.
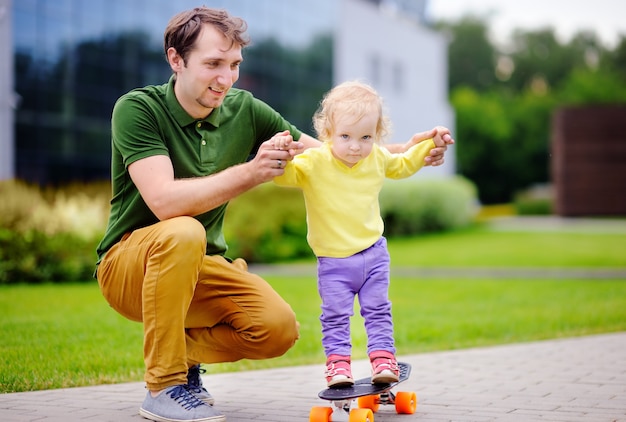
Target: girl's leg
{"points": [[336, 287], [374, 299]]}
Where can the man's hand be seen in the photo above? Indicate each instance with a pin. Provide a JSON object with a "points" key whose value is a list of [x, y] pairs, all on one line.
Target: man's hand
{"points": [[440, 136], [273, 154], [442, 139]]}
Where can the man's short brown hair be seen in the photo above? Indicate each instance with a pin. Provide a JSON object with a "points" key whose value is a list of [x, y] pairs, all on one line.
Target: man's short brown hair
{"points": [[183, 29]]}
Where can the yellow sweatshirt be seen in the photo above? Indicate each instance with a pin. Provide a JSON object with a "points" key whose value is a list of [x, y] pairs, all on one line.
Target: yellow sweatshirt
{"points": [[343, 213]]}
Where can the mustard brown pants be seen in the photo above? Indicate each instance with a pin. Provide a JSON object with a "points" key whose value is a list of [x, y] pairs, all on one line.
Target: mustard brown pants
{"points": [[194, 308]]}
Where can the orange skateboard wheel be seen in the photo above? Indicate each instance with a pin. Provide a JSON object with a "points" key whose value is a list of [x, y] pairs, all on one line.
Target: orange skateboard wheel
{"points": [[406, 402], [361, 415], [320, 414], [369, 402]]}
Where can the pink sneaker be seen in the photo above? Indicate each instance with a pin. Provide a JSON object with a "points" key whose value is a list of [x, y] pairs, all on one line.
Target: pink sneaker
{"points": [[385, 368], [338, 372]]}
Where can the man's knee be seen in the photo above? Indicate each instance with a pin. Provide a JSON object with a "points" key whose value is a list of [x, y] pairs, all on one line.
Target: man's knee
{"points": [[183, 232], [282, 332]]}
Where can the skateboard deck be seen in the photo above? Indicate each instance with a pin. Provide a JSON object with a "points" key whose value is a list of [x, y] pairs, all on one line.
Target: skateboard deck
{"points": [[369, 396], [364, 387]]}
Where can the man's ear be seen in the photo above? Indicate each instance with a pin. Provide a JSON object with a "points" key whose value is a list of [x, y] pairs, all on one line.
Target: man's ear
{"points": [[175, 60]]}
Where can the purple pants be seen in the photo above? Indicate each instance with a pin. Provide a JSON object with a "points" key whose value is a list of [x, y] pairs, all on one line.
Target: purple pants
{"points": [[366, 275]]}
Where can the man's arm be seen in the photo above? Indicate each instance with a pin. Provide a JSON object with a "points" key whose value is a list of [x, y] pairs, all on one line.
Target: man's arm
{"points": [[168, 197]]}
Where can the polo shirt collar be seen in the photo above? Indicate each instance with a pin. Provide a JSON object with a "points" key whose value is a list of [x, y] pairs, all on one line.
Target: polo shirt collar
{"points": [[181, 116]]}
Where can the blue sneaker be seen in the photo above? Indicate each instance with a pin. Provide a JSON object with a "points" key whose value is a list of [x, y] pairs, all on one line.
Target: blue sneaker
{"points": [[195, 385], [178, 404]]}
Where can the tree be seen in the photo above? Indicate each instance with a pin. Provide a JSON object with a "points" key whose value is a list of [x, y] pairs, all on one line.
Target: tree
{"points": [[616, 59], [589, 86], [505, 113], [471, 56], [540, 61]]}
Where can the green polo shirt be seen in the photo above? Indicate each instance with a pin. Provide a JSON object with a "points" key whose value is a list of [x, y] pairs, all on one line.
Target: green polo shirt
{"points": [[149, 121]]}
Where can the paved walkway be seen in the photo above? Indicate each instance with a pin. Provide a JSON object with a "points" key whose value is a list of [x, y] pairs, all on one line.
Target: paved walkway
{"points": [[576, 379]]}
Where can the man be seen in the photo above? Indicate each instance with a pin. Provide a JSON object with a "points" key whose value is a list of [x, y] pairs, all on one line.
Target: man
{"points": [[180, 153]]}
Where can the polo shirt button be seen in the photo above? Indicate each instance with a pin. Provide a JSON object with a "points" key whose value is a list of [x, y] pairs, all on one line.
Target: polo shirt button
{"points": [[199, 124], [203, 142]]}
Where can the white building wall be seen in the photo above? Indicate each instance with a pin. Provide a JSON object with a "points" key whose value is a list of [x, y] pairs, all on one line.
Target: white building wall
{"points": [[405, 62], [7, 98]]}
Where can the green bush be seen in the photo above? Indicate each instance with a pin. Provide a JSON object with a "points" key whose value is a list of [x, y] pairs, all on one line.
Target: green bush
{"points": [[19, 202], [414, 206], [50, 234], [267, 224], [537, 200], [35, 257]]}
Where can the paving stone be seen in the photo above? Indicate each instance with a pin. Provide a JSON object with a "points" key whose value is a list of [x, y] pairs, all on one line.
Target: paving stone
{"points": [[574, 379]]}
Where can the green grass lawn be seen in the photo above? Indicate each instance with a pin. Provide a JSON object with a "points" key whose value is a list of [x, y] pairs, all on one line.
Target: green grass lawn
{"points": [[482, 248], [54, 336]]}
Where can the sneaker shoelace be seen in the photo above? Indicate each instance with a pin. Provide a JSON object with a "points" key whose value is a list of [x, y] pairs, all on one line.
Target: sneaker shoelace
{"points": [[182, 396], [193, 379]]}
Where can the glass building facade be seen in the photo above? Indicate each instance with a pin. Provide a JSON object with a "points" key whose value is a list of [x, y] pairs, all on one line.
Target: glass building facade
{"points": [[74, 58]]}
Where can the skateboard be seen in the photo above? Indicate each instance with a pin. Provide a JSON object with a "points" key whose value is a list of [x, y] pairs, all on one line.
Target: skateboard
{"points": [[369, 397]]}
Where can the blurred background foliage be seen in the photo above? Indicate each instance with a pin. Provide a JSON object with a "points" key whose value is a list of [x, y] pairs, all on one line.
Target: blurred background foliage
{"points": [[504, 96], [50, 235]]}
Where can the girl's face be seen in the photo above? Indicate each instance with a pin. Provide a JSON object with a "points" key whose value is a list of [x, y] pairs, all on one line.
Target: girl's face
{"points": [[352, 139]]}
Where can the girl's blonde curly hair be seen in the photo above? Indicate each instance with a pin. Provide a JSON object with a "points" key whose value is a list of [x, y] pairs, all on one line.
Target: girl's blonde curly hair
{"points": [[353, 99]]}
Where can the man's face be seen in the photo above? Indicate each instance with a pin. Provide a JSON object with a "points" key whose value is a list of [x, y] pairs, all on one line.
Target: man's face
{"points": [[211, 69]]}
